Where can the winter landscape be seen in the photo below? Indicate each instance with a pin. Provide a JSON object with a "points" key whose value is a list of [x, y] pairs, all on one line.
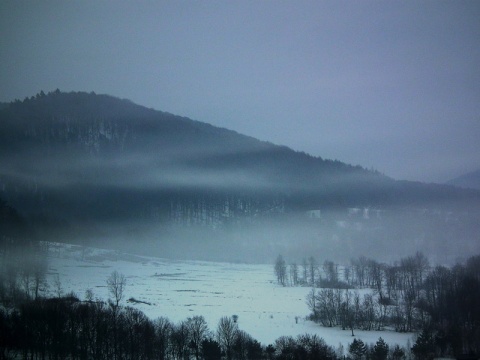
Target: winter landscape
{"points": [[239, 180], [180, 289]]}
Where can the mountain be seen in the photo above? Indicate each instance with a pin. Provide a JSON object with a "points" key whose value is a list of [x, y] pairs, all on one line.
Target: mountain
{"points": [[86, 166], [467, 181]]}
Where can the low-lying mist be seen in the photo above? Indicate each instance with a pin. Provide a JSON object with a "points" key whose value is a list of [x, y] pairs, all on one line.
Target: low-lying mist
{"points": [[102, 171], [331, 235]]}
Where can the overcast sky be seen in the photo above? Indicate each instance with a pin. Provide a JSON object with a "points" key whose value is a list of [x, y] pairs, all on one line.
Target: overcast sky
{"points": [[393, 85]]}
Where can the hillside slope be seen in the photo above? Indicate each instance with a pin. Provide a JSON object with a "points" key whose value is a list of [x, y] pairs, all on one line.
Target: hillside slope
{"points": [[468, 181], [81, 165]]}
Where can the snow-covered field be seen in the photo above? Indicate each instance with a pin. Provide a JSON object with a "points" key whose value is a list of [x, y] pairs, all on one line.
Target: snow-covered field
{"points": [[181, 289]]}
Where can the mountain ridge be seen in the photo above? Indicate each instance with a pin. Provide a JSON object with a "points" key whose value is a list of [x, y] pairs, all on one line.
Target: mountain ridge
{"points": [[182, 130], [101, 130], [469, 180], [84, 165]]}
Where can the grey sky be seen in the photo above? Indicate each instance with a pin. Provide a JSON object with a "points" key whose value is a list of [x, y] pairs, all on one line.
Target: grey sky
{"points": [[393, 85]]}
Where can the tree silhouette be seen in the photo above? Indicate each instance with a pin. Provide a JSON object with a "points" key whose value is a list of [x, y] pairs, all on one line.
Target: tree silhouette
{"points": [[226, 334], [357, 349], [116, 286], [380, 350], [211, 350], [281, 270]]}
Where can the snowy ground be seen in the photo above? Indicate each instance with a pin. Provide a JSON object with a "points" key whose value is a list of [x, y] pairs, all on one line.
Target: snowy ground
{"points": [[181, 289]]}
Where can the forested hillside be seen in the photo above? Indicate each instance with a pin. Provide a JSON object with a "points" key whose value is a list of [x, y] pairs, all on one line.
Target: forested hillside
{"points": [[93, 167]]}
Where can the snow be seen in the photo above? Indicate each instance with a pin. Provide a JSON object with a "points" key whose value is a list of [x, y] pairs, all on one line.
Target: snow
{"points": [[181, 289]]}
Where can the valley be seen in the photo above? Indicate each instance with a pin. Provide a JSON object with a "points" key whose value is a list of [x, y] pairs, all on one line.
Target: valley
{"points": [[181, 289]]}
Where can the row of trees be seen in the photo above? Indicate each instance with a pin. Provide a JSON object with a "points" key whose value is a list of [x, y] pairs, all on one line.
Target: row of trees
{"points": [[309, 273], [67, 328], [313, 347], [360, 273], [216, 209], [351, 310]]}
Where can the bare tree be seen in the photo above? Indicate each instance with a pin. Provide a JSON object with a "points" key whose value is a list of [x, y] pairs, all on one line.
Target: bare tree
{"points": [[360, 268], [198, 330], [116, 286], [350, 310], [163, 330], [26, 280], [281, 270], [180, 341], [313, 268], [136, 324], [38, 269], [312, 304], [377, 277], [38, 278], [294, 273], [57, 286], [330, 270], [347, 274], [305, 270], [226, 334], [325, 301]]}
